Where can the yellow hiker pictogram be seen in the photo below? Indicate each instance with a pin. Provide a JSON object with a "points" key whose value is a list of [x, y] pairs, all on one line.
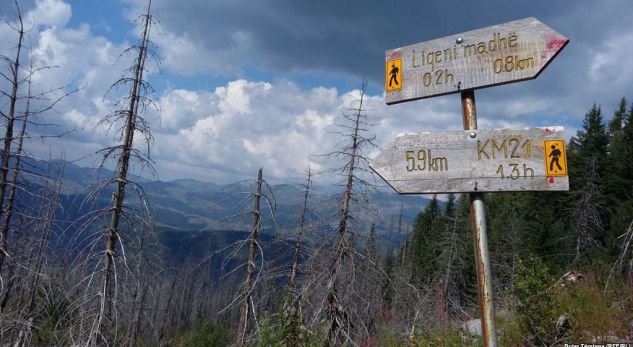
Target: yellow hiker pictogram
{"points": [[555, 158], [393, 76]]}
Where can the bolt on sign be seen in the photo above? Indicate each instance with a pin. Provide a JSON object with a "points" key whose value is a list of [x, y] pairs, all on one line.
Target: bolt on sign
{"points": [[475, 161], [504, 53]]}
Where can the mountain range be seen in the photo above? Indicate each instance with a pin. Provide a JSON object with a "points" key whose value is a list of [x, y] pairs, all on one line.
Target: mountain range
{"points": [[184, 208]]}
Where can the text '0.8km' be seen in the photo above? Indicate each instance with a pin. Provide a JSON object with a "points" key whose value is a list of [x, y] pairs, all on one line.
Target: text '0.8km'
{"points": [[504, 53]]}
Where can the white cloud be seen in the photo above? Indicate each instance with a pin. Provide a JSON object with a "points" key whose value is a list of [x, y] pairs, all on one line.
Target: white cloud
{"points": [[49, 13], [74, 58], [181, 108], [235, 97], [92, 62], [78, 119], [276, 125], [312, 120], [251, 126]]}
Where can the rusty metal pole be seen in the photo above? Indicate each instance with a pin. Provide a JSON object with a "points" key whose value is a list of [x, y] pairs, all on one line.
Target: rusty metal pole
{"points": [[480, 236]]}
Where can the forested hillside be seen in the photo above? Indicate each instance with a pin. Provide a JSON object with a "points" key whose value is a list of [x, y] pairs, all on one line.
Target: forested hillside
{"points": [[112, 256], [562, 262]]}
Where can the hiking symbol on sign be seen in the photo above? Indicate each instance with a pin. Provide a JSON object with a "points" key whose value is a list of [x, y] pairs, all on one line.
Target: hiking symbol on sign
{"points": [[393, 77], [555, 158]]}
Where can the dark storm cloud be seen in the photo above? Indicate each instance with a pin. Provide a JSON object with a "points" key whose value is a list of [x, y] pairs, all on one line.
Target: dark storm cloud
{"points": [[349, 38], [334, 36]]}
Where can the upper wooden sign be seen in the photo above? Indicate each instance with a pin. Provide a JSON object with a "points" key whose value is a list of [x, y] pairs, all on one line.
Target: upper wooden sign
{"points": [[475, 161], [504, 53]]}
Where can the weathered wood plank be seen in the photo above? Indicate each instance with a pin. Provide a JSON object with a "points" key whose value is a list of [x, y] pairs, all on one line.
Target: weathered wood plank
{"points": [[474, 161], [486, 57]]}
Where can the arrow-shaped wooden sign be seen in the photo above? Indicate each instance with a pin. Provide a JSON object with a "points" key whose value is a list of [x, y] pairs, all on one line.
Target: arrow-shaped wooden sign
{"points": [[475, 161], [504, 53]]}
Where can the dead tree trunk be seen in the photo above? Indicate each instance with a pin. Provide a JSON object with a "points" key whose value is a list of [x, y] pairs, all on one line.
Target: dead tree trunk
{"points": [[16, 264], [250, 266], [588, 222], [625, 250], [12, 185], [138, 298], [43, 225], [107, 291], [337, 316], [167, 310], [295, 259], [291, 305], [13, 79]]}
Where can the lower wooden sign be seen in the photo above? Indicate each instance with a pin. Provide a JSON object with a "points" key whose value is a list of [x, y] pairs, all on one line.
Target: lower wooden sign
{"points": [[475, 161]]}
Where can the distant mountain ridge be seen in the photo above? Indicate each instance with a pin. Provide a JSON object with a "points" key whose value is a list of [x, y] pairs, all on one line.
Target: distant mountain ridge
{"points": [[192, 205]]}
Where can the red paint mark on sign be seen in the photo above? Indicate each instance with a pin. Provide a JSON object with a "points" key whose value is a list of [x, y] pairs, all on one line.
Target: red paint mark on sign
{"points": [[555, 43], [551, 180], [391, 55], [548, 131]]}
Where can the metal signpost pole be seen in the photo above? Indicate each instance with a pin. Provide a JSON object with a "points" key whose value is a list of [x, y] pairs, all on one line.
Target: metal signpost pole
{"points": [[474, 161], [480, 237]]}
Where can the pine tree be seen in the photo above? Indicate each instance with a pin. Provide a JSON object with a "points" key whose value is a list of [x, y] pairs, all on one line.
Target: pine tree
{"points": [[587, 159], [451, 205], [506, 234], [617, 123], [424, 244], [591, 143], [619, 180], [452, 233]]}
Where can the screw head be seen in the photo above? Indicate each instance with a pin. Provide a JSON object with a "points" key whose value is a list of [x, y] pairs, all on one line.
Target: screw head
{"points": [[459, 40], [472, 135]]}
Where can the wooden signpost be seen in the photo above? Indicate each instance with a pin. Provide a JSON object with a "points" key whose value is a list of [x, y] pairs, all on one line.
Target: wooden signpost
{"points": [[474, 161], [499, 54]]}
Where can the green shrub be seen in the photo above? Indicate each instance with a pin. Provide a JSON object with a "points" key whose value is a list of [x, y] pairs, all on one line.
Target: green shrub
{"points": [[594, 313], [447, 338], [205, 333], [534, 308], [286, 330]]}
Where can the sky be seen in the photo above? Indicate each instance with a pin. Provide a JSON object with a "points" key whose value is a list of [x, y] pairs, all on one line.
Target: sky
{"points": [[243, 84]]}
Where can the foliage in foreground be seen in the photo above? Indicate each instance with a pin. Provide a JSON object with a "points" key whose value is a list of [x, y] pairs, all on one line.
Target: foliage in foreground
{"points": [[205, 333]]}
